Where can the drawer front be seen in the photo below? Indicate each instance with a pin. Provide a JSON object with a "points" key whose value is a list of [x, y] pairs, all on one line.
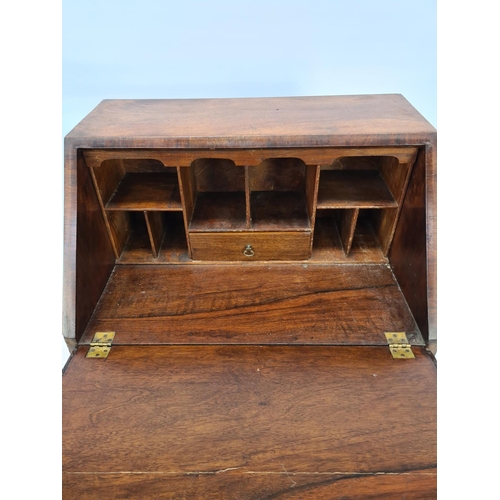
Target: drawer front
{"points": [[251, 246]]}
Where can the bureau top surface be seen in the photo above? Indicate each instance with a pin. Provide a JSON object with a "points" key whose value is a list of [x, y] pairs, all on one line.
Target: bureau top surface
{"points": [[361, 120]]}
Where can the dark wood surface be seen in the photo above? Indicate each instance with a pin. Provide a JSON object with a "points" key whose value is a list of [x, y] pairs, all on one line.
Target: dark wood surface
{"points": [[258, 122], [249, 422], [147, 191], [408, 253], [94, 255], [353, 189], [253, 303]]}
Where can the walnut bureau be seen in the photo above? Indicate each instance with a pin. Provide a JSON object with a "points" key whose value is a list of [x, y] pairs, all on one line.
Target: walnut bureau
{"points": [[250, 300]]}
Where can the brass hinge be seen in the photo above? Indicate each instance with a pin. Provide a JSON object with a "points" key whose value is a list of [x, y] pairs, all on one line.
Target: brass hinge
{"points": [[101, 345], [398, 345]]}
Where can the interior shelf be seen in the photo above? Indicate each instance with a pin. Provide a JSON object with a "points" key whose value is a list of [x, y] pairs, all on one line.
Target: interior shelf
{"points": [[172, 248], [218, 212], [147, 191], [279, 211], [353, 189]]}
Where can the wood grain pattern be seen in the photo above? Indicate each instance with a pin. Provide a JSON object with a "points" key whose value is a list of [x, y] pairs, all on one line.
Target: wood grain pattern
{"points": [[253, 304], [258, 122], [146, 191], [397, 485], [235, 417], [408, 253], [290, 245]]}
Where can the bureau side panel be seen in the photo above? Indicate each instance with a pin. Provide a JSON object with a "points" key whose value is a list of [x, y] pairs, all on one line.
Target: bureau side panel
{"points": [[408, 254], [89, 257]]}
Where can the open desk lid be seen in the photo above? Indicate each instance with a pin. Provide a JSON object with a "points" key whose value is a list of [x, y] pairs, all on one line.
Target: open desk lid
{"points": [[261, 303], [297, 422]]}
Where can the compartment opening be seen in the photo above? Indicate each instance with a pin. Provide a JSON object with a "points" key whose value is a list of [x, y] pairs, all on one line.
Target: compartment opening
{"points": [[220, 202], [277, 192]]}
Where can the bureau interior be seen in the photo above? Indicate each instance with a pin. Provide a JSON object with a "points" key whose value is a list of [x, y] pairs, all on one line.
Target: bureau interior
{"points": [[349, 205], [305, 234]]}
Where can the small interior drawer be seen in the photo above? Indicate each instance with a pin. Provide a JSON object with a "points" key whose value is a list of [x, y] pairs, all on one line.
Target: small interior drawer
{"points": [[248, 246]]}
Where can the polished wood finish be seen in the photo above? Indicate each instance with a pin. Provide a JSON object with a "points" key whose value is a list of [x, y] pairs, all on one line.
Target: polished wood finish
{"points": [[139, 191], [362, 120], [249, 422], [253, 304], [284, 245], [265, 375]]}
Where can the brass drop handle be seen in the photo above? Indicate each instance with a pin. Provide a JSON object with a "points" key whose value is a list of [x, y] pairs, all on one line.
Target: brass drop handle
{"points": [[248, 252]]}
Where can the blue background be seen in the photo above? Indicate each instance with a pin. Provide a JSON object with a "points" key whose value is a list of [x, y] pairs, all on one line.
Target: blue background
{"points": [[153, 49]]}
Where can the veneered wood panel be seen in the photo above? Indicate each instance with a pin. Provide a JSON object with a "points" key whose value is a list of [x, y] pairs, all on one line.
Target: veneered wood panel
{"points": [[256, 122], [252, 304], [237, 484], [313, 416]]}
